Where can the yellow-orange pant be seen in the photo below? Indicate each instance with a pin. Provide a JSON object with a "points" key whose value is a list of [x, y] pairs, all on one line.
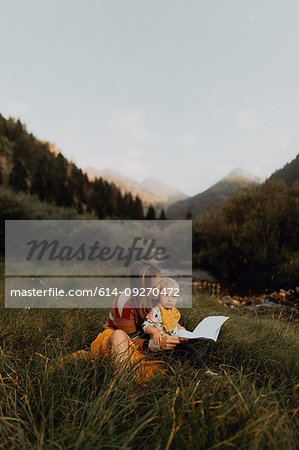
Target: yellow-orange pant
{"points": [[144, 366]]}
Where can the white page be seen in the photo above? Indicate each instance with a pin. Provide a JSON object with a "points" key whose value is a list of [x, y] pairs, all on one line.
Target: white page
{"points": [[186, 334], [208, 328]]}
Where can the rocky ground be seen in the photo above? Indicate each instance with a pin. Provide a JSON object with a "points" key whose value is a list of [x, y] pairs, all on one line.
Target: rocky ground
{"points": [[282, 302]]}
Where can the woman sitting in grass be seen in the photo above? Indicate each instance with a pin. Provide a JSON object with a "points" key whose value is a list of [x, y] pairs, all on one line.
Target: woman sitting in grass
{"points": [[123, 336]]}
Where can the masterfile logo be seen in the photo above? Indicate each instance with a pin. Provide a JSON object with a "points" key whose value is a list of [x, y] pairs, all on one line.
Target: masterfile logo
{"points": [[140, 250], [86, 263]]}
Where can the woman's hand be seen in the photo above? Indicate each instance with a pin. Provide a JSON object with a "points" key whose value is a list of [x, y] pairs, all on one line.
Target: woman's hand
{"points": [[169, 342]]}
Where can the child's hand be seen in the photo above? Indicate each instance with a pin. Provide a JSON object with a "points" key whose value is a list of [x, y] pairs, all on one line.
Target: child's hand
{"points": [[184, 341], [157, 337]]}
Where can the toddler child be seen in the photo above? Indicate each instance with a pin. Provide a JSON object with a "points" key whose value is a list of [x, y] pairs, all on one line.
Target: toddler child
{"points": [[163, 320]]}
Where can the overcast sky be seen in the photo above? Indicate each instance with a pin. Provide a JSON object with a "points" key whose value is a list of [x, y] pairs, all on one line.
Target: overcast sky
{"points": [[182, 91]]}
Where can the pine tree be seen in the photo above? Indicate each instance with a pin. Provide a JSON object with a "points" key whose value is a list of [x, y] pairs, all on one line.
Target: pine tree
{"points": [[138, 209], [39, 180], [18, 176], [62, 184], [120, 209], [163, 215], [151, 214], [131, 206]]}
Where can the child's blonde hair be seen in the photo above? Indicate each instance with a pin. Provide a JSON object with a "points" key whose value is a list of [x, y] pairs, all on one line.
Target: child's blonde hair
{"points": [[168, 283]]}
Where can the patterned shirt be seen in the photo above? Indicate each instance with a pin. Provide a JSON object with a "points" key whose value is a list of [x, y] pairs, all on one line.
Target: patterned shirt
{"points": [[154, 318]]}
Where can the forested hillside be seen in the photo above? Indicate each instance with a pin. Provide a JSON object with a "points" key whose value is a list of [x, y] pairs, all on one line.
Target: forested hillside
{"points": [[289, 173], [253, 237], [214, 197], [28, 165]]}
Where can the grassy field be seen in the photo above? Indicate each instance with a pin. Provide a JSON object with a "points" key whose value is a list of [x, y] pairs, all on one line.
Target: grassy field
{"points": [[45, 405]]}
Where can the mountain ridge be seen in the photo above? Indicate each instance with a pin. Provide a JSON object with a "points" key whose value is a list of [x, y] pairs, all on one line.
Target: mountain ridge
{"points": [[150, 191], [213, 197], [289, 172]]}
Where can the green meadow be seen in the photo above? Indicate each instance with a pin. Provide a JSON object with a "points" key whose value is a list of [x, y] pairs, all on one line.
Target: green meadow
{"points": [[44, 404]]}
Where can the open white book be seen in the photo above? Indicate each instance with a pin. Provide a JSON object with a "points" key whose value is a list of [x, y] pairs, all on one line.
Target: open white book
{"points": [[208, 328]]}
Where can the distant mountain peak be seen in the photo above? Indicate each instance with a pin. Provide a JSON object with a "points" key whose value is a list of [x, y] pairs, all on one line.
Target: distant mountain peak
{"points": [[213, 197], [242, 173], [160, 188], [150, 190]]}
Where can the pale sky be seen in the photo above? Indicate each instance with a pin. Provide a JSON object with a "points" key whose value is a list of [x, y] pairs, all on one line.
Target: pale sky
{"points": [[182, 91]]}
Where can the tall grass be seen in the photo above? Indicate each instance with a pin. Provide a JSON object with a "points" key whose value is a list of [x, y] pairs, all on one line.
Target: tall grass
{"points": [[48, 405]]}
